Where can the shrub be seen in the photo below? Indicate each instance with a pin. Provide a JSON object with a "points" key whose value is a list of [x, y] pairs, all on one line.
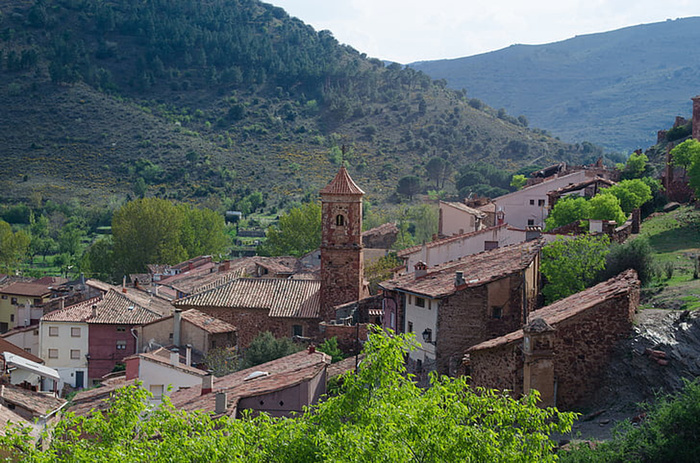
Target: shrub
{"points": [[635, 254]]}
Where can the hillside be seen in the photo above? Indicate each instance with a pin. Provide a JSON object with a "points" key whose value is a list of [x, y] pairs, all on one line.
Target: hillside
{"points": [[206, 101], [614, 89]]}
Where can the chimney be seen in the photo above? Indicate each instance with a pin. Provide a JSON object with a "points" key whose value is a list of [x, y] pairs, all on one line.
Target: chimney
{"points": [[177, 320], [188, 355], [61, 303], [207, 383], [421, 269], [175, 357], [221, 402], [312, 349], [459, 278], [94, 310]]}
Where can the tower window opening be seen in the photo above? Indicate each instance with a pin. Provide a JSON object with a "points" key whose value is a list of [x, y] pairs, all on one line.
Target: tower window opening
{"points": [[339, 220]]}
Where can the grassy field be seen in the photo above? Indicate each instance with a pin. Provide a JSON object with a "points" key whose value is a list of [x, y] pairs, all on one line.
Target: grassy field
{"points": [[675, 239]]}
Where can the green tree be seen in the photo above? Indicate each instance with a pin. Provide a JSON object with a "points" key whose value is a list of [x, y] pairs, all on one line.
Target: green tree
{"points": [[686, 154], [567, 210], [265, 348], [298, 232], [408, 186], [222, 361], [631, 193], [379, 414], [98, 260], [438, 170], [203, 232], [605, 206], [635, 253], [13, 247], [636, 166], [571, 265], [518, 181], [424, 221], [330, 347]]}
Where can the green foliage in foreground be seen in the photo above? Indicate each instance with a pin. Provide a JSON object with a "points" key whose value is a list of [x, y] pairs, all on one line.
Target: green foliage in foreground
{"points": [[381, 415], [670, 433]]}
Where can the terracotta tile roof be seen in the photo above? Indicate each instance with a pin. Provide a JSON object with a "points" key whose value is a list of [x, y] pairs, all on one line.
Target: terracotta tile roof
{"points": [[7, 346], [74, 313], [51, 281], [344, 366], [26, 289], [118, 308], [20, 329], [143, 298], [478, 269], [464, 208], [283, 373], [624, 283], [9, 416], [36, 402], [384, 229], [162, 357], [100, 285], [342, 184], [206, 322], [84, 402], [443, 241], [204, 269], [282, 297], [581, 185]]}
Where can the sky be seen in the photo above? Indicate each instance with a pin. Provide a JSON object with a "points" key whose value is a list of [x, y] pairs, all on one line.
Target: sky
{"points": [[410, 30]]}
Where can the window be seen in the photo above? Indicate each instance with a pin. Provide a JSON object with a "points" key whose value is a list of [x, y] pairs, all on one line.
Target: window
{"points": [[53, 353], [410, 327], [496, 312], [28, 349], [12, 317], [53, 331], [530, 222], [490, 245], [13, 300], [339, 220], [532, 202], [156, 390], [36, 332], [297, 330], [75, 354], [121, 328], [121, 345], [420, 302], [75, 332], [4, 296], [37, 301], [540, 202]]}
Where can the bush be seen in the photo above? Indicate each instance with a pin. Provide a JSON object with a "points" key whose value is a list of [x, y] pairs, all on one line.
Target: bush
{"points": [[635, 254]]}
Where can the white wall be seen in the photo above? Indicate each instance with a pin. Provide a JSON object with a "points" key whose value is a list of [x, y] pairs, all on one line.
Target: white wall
{"points": [[422, 318], [64, 343], [531, 203], [455, 221], [26, 339], [156, 374]]}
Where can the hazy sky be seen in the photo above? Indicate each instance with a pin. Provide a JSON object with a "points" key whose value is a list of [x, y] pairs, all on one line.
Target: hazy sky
{"points": [[411, 30]]}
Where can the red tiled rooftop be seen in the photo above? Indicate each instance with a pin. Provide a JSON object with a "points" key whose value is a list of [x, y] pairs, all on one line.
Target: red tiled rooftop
{"points": [[26, 289], [206, 322], [74, 313], [7, 346], [464, 208], [478, 269], [36, 402], [162, 357], [283, 373], [114, 307], [282, 297], [624, 283], [97, 399], [342, 184]]}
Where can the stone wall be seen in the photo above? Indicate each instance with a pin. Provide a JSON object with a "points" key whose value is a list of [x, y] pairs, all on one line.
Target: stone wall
{"points": [[347, 336], [498, 368]]}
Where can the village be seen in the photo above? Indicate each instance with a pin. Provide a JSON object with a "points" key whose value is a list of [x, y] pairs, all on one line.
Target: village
{"points": [[472, 297]]}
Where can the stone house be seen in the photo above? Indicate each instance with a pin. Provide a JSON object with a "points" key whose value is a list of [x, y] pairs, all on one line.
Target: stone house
{"points": [[194, 328], [458, 304], [285, 308], [564, 349], [280, 387]]}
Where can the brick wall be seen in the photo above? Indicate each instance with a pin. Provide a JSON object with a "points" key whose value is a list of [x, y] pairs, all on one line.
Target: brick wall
{"points": [[251, 322], [102, 346], [465, 319], [583, 345]]}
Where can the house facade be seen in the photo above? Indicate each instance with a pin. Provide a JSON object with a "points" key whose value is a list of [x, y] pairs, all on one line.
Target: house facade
{"points": [[19, 295], [162, 372], [458, 219], [456, 305], [564, 349]]}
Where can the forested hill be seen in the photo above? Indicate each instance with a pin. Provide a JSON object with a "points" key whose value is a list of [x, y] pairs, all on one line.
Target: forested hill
{"points": [[614, 89], [198, 100]]}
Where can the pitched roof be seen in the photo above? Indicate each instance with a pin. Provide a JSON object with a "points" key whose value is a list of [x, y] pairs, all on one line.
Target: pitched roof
{"points": [[76, 313], [464, 208], [7, 346], [342, 184], [27, 289], [206, 322], [282, 373], [162, 357], [552, 314], [114, 307], [35, 402], [282, 297], [478, 269], [87, 400]]}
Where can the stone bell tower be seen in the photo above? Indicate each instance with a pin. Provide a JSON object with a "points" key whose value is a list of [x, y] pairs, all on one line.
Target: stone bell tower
{"points": [[342, 266]]}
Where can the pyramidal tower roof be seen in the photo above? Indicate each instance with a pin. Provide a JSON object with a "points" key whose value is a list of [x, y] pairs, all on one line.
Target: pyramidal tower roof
{"points": [[342, 184]]}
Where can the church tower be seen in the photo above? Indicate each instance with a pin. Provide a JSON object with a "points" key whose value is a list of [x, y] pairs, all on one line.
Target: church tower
{"points": [[342, 266]]}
